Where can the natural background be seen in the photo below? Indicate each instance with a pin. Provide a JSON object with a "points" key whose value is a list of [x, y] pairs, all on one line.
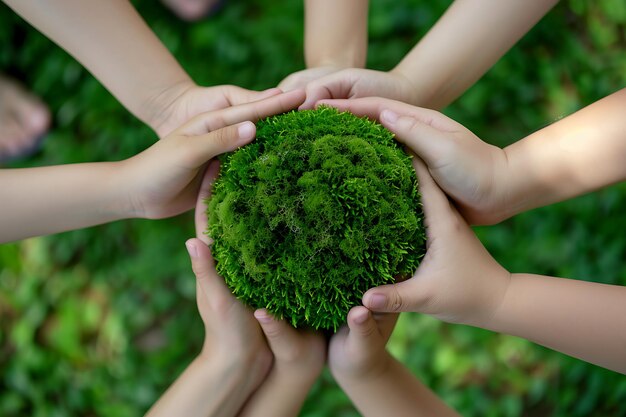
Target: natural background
{"points": [[100, 321]]}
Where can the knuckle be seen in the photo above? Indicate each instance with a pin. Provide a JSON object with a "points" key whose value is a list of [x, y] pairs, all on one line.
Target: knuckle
{"points": [[396, 302], [272, 330]]}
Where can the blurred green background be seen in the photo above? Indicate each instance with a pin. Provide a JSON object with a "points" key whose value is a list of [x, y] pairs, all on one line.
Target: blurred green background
{"points": [[101, 321]]}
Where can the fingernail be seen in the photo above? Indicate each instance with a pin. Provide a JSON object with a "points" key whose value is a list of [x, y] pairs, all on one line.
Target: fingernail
{"points": [[246, 130], [191, 248], [378, 301], [389, 116], [262, 316], [361, 318]]}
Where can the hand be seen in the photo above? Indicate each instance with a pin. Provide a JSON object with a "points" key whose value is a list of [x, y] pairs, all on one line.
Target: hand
{"points": [[163, 180], [183, 101], [300, 79], [375, 381], [357, 82], [232, 335], [298, 353], [469, 170], [357, 351], [299, 357], [457, 281]]}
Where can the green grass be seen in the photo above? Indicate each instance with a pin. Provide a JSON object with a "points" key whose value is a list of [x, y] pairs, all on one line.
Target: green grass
{"points": [[97, 321]]}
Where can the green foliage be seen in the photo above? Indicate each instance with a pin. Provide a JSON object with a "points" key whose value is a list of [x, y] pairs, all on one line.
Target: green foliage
{"points": [[319, 208], [100, 321]]}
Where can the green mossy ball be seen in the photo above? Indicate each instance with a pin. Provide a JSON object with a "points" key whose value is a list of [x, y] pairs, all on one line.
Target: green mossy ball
{"points": [[318, 209]]}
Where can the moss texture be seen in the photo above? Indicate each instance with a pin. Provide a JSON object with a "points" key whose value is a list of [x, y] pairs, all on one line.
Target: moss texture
{"points": [[319, 208]]}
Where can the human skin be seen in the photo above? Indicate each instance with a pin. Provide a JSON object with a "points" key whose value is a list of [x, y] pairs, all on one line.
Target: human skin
{"points": [[458, 281], [490, 184], [335, 37], [467, 40], [160, 182], [23, 117], [376, 383], [114, 43], [251, 364]]}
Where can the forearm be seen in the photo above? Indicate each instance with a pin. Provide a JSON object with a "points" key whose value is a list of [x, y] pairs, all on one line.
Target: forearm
{"points": [[393, 392], [281, 395], [40, 201], [205, 388], [582, 319], [335, 33], [111, 40], [468, 39], [576, 155]]}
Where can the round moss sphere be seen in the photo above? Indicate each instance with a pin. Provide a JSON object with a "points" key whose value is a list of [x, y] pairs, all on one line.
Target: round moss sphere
{"points": [[319, 208]]}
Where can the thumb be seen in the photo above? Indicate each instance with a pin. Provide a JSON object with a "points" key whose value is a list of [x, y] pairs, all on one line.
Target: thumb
{"points": [[211, 284], [395, 298], [336, 85], [281, 337], [237, 95], [200, 214], [364, 330], [200, 149], [428, 142]]}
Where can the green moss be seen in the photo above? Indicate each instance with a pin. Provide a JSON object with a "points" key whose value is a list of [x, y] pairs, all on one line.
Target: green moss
{"points": [[318, 209]]}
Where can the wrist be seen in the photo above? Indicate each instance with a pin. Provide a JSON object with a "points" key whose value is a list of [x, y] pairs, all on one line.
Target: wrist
{"points": [[128, 203], [348, 58], [118, 186], [354, 374], [245, 369], [488, 317], [415, 94]]}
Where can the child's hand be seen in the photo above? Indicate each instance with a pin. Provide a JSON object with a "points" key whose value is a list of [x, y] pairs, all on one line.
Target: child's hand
{"points": [[469, 170], [232, 335], [375, 381], [299, 358], [357, 351], [457, 281], [183, 101], [357, 82], [300, 79], [163, 180]]}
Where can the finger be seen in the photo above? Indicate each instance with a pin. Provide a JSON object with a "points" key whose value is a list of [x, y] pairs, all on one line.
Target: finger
{"points": [[430, 144], [438, 211], [237, 95], [386, 322], [363, 107], [333, 86], [291, 82], [206, 187], [203, 265], [207, 122], [196, 151], [281, 337], [372, 107], [394, 298], [364, 331]]}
